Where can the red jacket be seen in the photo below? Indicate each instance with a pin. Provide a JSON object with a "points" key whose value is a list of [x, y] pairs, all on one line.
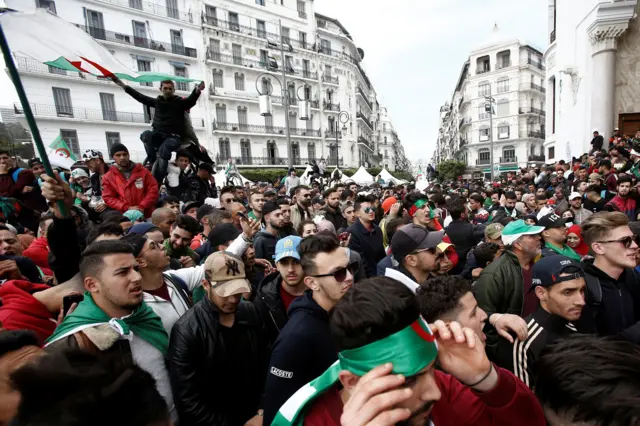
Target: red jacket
{"points": [[140, 190], [38, 251], [510, 403], [21, 311]]}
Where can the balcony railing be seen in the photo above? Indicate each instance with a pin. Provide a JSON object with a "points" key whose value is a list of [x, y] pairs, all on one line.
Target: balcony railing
{"points": [[365, 141], [508, 160], [252, 63], [331, 134], [274, 130], [483, 162], [63, 111], [337, 54], [539, 158], [482, 70], [503, 64], [538, 87], [535, 64], [365, 119], [534, 134], [239, 94], [334, 161], [483, 116], [329, 79], [145, 43], [327, 106], [263, 161], [531, 110], [465, 121], [365, 97], [552, 37], [158, 9]]}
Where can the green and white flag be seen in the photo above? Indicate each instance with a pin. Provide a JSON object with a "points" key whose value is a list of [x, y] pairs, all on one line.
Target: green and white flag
{"points": [[409, 350], [49, 39], [61, 149]]}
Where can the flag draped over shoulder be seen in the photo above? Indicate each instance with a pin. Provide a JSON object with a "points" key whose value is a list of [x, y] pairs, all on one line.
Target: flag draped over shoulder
{"points": [[49, 39]]}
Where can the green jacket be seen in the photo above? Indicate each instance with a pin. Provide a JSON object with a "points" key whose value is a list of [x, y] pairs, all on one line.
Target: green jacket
{"points": [[499, 289]]}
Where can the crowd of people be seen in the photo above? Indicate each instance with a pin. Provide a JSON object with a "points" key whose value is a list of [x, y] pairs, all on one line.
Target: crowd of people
{"points": [[151, 297]]}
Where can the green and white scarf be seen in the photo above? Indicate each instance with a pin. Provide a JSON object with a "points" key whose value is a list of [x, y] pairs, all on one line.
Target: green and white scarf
{"points": [[143, 322], [409, 350]]}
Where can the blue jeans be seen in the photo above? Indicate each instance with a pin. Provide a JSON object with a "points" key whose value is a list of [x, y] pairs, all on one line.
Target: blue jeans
{"points": [[161, 145]]}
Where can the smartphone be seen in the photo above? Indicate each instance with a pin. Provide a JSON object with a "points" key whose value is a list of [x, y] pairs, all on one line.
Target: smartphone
{"points": [[69, 300], [242, 215], [344, 236]]}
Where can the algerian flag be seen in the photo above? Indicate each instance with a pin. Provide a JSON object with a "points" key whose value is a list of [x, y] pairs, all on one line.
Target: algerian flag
{"points": [[420, 174], [44, 37], [61, 149]]}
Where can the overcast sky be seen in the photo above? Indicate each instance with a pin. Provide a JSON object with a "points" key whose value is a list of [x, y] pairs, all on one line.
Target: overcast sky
{"points": [[414, 51]]}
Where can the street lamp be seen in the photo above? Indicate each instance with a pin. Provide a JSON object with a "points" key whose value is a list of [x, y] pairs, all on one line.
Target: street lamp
{"points": [[343, 117], [266, 107]]}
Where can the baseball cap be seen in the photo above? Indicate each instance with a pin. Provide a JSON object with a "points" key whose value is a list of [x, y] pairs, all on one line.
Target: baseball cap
{"points": [[444, 246], [269, 207], [546, 272], [222, 234], [34, 161], [551, 220], [269, 192], [574, 195], [142, 228], [493, 231], [517, 229], [595, 176], [191, 204], [76, 173], [386, 204], [411, 238], [226, 274], [287, 247]]}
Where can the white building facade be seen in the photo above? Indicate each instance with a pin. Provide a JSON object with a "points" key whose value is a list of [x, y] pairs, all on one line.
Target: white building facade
{"points": [[511, 72], [235, 47], [592, 74]]}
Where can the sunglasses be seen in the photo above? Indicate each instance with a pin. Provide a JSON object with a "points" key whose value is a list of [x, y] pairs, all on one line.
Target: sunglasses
{"points": [[368, 210], [625, 241], [341, 274]]}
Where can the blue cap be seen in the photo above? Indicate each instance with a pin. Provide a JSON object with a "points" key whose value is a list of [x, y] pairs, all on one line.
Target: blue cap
{"points": [[288, 247]]}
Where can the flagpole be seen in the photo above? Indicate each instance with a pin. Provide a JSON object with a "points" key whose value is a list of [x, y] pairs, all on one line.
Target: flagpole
{"points": [[26, 107]]}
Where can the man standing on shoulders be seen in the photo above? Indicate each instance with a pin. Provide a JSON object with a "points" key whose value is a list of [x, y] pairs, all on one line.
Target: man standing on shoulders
{"points": [[128, 185], [304, 348], [278, 290], [218, 350], [559, 285], [555, 237], [366, 236], [580, 214], [376, 325], [502, 290], [613, 297]]}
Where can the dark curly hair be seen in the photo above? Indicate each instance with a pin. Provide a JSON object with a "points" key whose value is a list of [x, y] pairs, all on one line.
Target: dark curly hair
{"points": [[440, 297]]}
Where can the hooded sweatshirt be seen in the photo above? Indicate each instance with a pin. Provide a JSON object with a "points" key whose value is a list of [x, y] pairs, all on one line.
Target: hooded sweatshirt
{"points": [[265, 245], [303, 351]]}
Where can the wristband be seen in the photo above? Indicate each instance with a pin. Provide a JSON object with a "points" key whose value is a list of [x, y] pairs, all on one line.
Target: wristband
{"points": [[497, 319], [483, 378]]}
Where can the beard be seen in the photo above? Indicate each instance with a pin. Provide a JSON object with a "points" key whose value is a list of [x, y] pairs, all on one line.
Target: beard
{"points": [[423, 409]]}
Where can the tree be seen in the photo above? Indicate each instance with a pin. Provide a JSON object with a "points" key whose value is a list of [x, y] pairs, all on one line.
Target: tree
{"points": [[450, 169]]}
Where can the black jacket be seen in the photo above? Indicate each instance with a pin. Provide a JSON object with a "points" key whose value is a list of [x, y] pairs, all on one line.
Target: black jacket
{"points": [[169, 113], [96, 184], [265, 245], [303, 351], [597, 142], [464, 235], [369, 244], [212, 383], [334, 217], [270, 306], [200, 189], [520, 357], [183, 190], [618, 313]]}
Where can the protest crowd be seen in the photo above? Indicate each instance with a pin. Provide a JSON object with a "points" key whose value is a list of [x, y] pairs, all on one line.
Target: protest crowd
{"points": [[158, 294]]}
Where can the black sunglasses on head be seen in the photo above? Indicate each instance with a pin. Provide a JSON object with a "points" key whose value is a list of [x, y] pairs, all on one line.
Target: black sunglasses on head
{"points": [[341, 274]]}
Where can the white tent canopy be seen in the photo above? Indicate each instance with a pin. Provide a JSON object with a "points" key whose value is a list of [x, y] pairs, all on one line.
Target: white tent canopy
{"points": [[362, 177]]}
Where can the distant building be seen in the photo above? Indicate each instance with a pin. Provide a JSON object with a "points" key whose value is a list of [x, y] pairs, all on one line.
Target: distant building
{"points": [[8, 115], [592, 73], [510, 71]]}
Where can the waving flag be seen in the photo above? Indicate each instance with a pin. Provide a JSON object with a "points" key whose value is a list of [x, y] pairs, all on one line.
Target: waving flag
{"points": [[45, 37], [61, 149], [420, 174]]}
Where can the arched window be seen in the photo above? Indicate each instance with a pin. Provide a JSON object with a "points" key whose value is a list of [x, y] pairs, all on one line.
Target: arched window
{"points": [[218, 80], [311, 151], [484, 88], [242, 118], [484, 156], [483, 114], [508, 154], [245, 151], [295, 152], [224, 148], [503, 108], [502, 85], [503, 130], [239, 80], [483, 133], [272, 153], [221, 114]]}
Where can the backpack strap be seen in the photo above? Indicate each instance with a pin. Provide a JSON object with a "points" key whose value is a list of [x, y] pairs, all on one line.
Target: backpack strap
{"points": [[16, 173], [181, 288], [594, 290]]}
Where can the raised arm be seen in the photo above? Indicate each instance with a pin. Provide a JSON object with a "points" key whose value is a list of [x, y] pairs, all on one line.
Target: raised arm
{"points": [[143, 99]]}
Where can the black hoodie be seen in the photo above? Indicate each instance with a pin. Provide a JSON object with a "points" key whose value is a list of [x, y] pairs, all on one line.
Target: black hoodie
{"points": [[619, 311], [270, 306], [265, 245], [303, 351]]}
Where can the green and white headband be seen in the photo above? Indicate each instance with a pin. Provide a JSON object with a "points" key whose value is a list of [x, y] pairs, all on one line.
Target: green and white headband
{"points": [[409, 350]]}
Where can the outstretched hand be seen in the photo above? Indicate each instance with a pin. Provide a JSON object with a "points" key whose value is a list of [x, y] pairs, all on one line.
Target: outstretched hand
{"points": [[200, 86], [250, 227], [117, 81]]}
